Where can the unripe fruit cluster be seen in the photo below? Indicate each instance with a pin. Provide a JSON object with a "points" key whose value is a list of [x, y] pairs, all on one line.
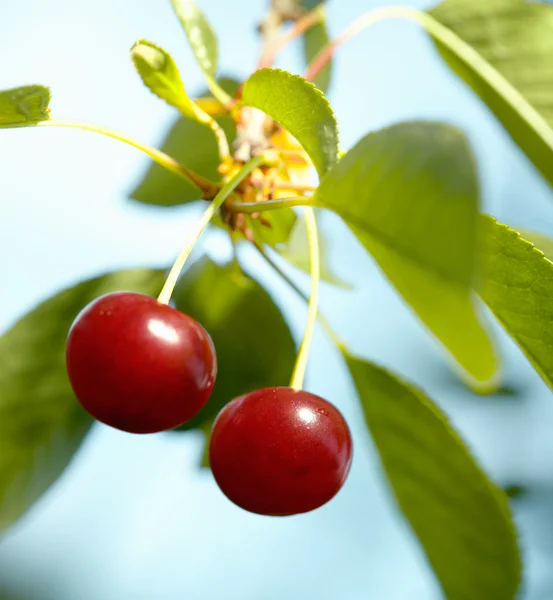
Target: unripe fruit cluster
{"points": [[142, 366]]}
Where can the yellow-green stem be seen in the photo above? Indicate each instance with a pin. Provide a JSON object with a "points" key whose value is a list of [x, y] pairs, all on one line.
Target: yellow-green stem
{"points": [[219, 93], [256, 207], [300, 26], [314, 254], [222, 142], [366, 20], [322, 319], [208, 188], [215, 205], [455, 44]]}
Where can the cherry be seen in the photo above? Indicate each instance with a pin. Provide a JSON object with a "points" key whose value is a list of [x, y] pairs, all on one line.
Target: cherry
{"points": [[278, 451], [139, 365]]}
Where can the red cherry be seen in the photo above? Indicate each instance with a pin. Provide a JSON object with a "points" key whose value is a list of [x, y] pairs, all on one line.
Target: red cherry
{"points": [[278, 451], [139, 365]]}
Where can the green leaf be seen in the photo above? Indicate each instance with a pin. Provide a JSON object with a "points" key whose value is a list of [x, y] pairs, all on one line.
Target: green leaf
{"points": [[272, 228], [13, 594], [296, 252], [314, 40], [161, 76], [460, 517], [410, 195], [193, 145], [309, 4], [24, 106], [300, 108], [275, 229], [201, 36], [41, 422], [517, 285], [507, 59], [253, 342]]}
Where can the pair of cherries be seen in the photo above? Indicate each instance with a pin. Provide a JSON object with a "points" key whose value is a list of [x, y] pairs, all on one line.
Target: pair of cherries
{"points": [[142, 366]]}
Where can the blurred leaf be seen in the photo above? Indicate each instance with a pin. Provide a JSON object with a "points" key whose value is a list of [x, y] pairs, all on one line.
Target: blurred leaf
{"points": [[517, 285], [296, 252], [206, 428], [254, 345], [277, 228], [273, 231], [300, 108], [9, 594], [24, 106], [460, 517], [201, 37], [310, 4], [410, 194], [161, 76], [314, 40], [511, 67], [191, 144], [41, 422]]}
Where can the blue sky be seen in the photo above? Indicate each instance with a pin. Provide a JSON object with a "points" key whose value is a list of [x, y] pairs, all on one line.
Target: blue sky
{"points": [[133, 517]]}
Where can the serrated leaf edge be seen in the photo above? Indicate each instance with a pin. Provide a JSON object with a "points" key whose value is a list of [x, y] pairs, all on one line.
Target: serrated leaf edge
{"points": [[320, 95], [518, 342], [496, 491], [188, 112]]}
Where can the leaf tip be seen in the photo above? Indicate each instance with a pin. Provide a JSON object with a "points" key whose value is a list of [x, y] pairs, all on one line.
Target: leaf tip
{"points": [[24, 106]]}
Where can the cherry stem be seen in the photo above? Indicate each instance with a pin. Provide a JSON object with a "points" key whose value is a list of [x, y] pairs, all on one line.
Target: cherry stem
{"points": [[300, 26], [366, 20], [208, 188], [207, 119], [165, 295], [452, 42], [212, 106], [266, 205], [322, 320], [313, 239], [219, 93]]}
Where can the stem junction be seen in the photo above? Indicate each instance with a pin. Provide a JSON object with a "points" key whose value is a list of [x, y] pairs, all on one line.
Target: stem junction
{"points": [[165, 295], [208, 188]]}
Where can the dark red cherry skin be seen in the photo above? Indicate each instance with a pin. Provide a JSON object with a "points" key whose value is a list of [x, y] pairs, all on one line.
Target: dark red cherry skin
{"points": [[139, 365], [278, 451]]}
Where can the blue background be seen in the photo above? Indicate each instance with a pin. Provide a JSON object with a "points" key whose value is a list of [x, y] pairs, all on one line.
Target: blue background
{"points": [[133, 518]]}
